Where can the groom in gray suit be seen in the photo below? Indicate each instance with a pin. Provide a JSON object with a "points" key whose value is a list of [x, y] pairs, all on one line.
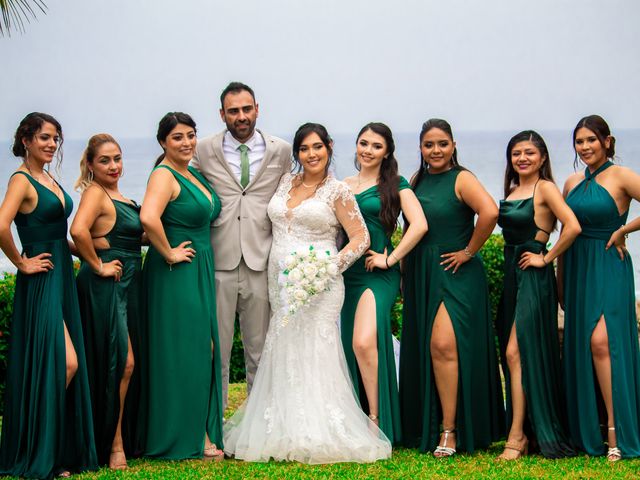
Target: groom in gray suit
{"points": [[244, 166]]}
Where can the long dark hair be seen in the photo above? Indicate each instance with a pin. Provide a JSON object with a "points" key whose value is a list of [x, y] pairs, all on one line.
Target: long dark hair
{"points": [[446, 128], [511, 177], [28, 127], [303, 132], [597, 125], [388, 179], [170, 121]]}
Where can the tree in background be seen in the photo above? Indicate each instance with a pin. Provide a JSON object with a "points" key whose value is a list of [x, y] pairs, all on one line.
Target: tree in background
{"points": [[16, 12]]}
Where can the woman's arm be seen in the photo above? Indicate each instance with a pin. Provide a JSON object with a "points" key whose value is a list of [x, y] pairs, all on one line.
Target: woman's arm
{"points": [[473, 194], [349, 216], [630, 184], [16, 197], [417, 222], [161, 189], [92, 206], [552, 198]]}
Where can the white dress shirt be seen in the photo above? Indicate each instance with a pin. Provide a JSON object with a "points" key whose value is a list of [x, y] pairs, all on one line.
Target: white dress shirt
{"points": [[257, 147]]}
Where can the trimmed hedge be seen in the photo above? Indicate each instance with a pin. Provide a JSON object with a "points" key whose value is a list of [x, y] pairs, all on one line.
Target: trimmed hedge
{"points": [[491, 253]]}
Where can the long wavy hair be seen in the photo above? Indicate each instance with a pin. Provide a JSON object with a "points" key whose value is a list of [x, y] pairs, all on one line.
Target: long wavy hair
{"points": [[446, 128], [88, 156], [388, 179], [511, 177], [600, 128]]}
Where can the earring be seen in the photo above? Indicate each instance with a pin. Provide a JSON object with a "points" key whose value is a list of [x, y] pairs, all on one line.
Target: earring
{"points": [[90, 176], [122, 172]]}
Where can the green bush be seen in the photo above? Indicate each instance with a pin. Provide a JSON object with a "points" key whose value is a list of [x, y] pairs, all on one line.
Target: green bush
{"points": [[492, 254]]}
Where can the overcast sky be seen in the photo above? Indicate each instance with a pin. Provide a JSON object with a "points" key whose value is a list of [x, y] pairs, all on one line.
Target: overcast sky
{"points": [[119, 65]]}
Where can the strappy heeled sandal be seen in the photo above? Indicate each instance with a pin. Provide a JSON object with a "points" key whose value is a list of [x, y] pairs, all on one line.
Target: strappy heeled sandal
{"points": [[522, 448], [443, 451], [213, 453], [375, 419], [613, 453]]}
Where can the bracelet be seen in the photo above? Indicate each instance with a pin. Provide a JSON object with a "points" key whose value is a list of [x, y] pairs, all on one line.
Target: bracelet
{"points": [[467, 252], [626, 235], [543, 260], [386, 261]]}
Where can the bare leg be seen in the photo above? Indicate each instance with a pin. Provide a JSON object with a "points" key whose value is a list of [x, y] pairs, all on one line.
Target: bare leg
{"points": [[71, 357], [516, 442], [444, 355], [211, 451], [602, 364], [365, 347], [117, 459]]}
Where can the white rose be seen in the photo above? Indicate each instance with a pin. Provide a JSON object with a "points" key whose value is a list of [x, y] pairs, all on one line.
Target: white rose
{"points": [[319, 285], [332, 269], [289, 261], [300, 295], [302, 252], [295, 275], [322, 271], [305, 281], [310, 270]]}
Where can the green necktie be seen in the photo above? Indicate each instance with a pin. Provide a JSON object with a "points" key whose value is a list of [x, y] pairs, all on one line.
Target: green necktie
{"points": [[244, 165]]}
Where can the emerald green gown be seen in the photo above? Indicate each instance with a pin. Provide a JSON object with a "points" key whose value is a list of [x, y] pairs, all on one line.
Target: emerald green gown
{"points": [[110, 314], [597, 283], [530, 299], [480, 409], [384, 284], [46, 428], [183, 390]]}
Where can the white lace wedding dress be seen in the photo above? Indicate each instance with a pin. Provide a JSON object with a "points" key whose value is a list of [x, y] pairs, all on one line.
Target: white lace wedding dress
{"points": [[302, 405]]}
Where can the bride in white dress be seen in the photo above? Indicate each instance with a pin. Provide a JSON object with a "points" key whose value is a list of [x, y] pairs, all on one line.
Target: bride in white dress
{"points": [[302, 405]]}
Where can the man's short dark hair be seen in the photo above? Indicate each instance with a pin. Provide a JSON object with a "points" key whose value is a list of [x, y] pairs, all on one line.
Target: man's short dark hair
{"points": [[236, 87]]}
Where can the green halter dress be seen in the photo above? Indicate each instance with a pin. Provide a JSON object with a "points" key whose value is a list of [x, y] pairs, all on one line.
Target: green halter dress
{"points": [[110, 313], [480, 410], [598, 284], [183, 389], [530, 299], [384, 284], [46, 428]]}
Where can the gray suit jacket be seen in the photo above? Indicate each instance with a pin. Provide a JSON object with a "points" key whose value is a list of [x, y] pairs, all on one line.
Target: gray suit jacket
{"points": [[243, 228]]}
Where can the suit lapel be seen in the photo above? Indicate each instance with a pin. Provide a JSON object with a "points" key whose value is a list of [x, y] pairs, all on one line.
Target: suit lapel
{"points": [[268, 154], [219, 153]]}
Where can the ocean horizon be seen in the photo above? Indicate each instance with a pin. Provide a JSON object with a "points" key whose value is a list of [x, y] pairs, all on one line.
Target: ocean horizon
{"points": [[482, 152]]}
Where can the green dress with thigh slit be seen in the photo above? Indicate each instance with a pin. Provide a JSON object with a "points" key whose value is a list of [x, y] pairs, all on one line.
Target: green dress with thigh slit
{"points": [[597, 283], [182, 387], [110, 313], [426, 285], [529, 299], [45, 427], [384, 284]]}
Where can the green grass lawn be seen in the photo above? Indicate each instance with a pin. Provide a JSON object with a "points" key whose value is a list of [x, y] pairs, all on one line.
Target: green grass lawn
{"points": [[405, 463]]}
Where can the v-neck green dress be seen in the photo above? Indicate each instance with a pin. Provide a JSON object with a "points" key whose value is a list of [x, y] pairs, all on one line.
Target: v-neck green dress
{"points": [[384, 284], [110, 313], [598, 284], [183, 390], [45, 427], [530, 300], [480, 408]]}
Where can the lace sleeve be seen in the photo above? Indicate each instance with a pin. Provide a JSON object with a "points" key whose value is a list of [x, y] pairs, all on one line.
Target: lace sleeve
{"points": [[349, 216]]}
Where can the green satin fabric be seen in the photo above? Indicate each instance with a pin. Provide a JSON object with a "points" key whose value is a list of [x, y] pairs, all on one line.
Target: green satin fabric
{"points": [[384, 284], [529, 298], [46, 428], [182, 389], [480, 411], [598, 284], [110, 313]]}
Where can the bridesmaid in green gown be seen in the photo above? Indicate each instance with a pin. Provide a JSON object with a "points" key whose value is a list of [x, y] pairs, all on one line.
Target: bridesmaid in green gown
{"points": [[448, 362], [600, 334], [183, 390], [372, 283], [108, 233], [46, 427], [527, 320]]}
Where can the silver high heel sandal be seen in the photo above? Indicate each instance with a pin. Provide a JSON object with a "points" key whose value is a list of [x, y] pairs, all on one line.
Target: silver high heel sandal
{"points": [[613, 454], [442, 451]]}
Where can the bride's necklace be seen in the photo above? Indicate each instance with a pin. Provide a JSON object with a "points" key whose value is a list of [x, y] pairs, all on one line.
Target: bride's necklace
{"points": [[315, 185]]}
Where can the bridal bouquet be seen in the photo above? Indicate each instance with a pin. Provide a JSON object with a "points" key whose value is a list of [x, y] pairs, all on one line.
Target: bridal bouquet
{"points": [[305, 273]]}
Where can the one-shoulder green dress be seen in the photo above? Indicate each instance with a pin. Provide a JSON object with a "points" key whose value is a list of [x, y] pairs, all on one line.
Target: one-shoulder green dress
{"points": [[596, 284], [384, 284], [529, 298], [480, 408], [183, 390], [110, 314], [45, 427]]}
